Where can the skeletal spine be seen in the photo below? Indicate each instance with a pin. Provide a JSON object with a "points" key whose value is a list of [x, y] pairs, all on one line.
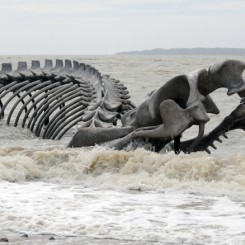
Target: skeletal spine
{"points": [[57, 97]]}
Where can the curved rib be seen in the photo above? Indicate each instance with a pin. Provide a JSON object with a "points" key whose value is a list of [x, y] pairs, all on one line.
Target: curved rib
{"points": [[20, 98], [24, 107], [44, 104], [6, 89], [62, 124], [6, 86], [22, 101], [59, 115], [33, 101], [28, 84], [54, 106], [53, 88], [62, 132]]}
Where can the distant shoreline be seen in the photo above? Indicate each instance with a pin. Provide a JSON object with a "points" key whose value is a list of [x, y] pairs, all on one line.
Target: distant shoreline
{"points": [[187, 51]]}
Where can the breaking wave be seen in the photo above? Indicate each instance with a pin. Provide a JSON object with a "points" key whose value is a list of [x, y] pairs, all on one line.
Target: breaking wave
{"points": [[133, 170]]}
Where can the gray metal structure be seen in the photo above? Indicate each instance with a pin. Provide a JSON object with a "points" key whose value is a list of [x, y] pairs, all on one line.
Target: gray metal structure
{"points": [[52, 99]]}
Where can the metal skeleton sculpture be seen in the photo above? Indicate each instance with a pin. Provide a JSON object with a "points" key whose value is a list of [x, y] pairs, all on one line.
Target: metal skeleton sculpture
{"points": [[51, 100]]}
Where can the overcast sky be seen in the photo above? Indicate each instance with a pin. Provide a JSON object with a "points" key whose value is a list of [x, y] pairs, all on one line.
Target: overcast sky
{"points": [[109, 26]]}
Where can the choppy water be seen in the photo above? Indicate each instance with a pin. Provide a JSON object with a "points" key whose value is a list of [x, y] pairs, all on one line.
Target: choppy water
{"points": [[119, 197]]}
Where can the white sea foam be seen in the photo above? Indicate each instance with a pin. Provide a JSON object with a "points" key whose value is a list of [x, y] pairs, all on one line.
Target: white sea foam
{"points": [[76, 210], [139, 169]]}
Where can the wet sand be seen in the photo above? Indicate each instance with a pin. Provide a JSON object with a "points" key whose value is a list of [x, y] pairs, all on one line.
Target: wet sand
{"points": [[48, 239]]}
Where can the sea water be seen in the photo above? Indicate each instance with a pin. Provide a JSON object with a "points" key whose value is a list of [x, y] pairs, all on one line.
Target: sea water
{"points": [[95, 195]]}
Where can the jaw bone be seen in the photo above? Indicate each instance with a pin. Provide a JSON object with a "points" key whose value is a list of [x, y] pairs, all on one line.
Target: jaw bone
{"points": [[236, 120]]}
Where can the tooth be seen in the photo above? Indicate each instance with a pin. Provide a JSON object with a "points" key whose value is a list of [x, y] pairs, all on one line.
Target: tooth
{"points": [[208, 151], [212, 145], [219, 140], [225, 136]]}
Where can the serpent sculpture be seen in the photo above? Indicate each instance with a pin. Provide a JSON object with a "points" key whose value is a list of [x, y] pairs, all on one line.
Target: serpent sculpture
{"points": [[52, 99]]}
